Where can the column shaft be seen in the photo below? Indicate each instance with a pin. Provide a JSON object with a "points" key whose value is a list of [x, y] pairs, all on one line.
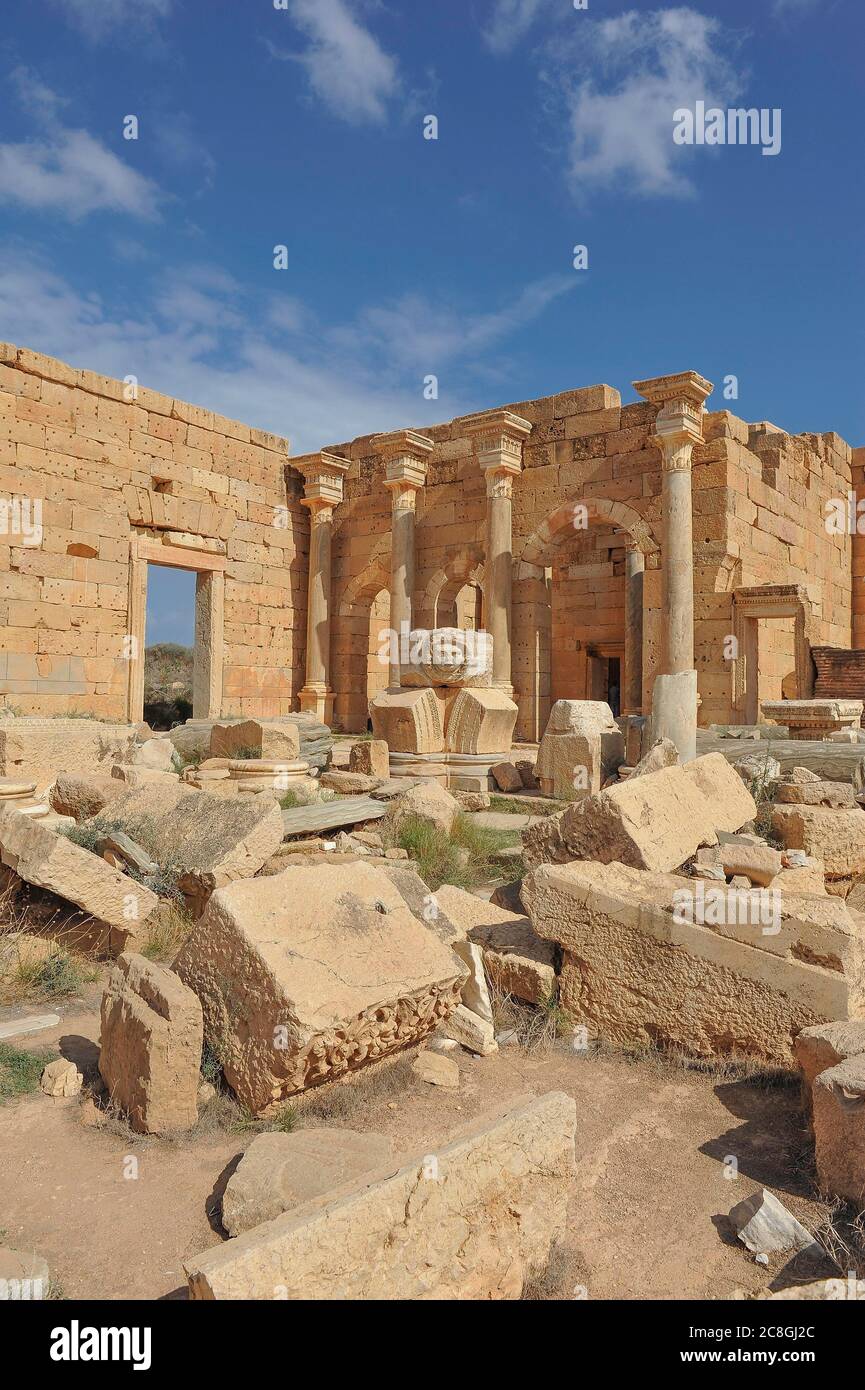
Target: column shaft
{"points": [[678, 562], [498, 583], [401, 578], [632, 691], [318, 599]]}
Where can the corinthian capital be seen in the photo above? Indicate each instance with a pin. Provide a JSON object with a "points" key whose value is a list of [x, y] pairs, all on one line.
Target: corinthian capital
{"points": [[497, 438], [679, 422]]}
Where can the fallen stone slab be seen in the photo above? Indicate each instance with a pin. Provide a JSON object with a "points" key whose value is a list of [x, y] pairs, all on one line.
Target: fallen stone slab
{"points": [[331, 815], [84, 794], [38, 746], [437, 1069], [838, 1096], [653, 958], [311, 973], [426, 802], [371, 757], [835, 836], [654, 822], [472, 1219], [348, 783], [28, 1023], [516, 959], [471, 1031], [120, 850], [54, 863], [759, 864], [150, 1045], [664, 753], [824, 1046], [155, 753], [279, 1172], [256, 738], [807, 877], [765, 1226], [202, 839], [817, 793]]}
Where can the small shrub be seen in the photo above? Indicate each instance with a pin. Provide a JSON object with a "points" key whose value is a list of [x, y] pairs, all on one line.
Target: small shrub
{"points": [[167, 929], [245, 752], [463, 858], [58, 976], [20, 1071], [89, 832]]}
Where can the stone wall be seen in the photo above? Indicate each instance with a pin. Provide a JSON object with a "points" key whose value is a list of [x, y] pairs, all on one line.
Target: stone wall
{"points": [[118, 479]]}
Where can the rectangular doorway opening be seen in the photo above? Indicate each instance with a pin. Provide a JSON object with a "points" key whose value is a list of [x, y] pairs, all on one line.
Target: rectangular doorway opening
{"points": [[169, 646]]}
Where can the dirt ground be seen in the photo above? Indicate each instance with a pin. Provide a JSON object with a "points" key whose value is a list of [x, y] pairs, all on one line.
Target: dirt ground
{"points": [[646, 1216]]}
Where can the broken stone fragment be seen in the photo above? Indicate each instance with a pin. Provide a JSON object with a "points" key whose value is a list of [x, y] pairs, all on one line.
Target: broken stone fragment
{"points": [[506, 777], [816, 793], [765, 1226], [824, 1046], [256, 738], [426, 802], [664, 753], [472, 1031], [515, 958], [437, 1069], [155, 753], [839, 1130], [312, 973], [477, 1215], [118, 848], [835, 836], [83, 794], [279, 1172], [150, 1045], [754, 862], [61, 1078], [371, 757]]}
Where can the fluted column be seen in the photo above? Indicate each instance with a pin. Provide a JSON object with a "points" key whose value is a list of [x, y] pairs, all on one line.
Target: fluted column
{"points": [[405, 459], [498, 436], [632, 689], [323, 478], [678, 427]]}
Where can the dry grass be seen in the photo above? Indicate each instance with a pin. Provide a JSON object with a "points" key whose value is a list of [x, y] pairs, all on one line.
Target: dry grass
{"points": [[538, 1027], [465, 858], [59, 973], [166, 933], [564, 1277]]}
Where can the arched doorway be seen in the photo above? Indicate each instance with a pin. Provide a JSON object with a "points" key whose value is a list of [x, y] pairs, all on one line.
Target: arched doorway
{"points": [[361, 619]]}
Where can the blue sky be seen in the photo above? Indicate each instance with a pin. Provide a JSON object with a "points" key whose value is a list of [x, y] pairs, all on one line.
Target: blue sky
{"points": [[302, 126]]}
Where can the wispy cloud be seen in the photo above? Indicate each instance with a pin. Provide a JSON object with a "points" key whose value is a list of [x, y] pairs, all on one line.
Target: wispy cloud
{"points": [[792, 8], [620, 80], [346, 66], [196, 334], [102, 19], [510, 22]]}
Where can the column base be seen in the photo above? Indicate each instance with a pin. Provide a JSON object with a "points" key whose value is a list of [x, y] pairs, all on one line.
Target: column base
{"points": [[674, 712], [469, 772], [317, 700]]}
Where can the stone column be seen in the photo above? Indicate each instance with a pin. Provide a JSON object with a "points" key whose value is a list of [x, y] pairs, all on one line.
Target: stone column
{"points": [[323, 475], [632, 688], [497, 436], [678, 428], [405, 459]]}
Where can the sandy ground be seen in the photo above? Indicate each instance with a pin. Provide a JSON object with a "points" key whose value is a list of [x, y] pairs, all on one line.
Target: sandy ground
{"points": [[115, 1217]]}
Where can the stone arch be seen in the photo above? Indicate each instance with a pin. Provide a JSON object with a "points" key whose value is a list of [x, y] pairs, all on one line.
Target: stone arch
{"points": [[354, 639], [540, 547], [538, 672], [464, 566]]}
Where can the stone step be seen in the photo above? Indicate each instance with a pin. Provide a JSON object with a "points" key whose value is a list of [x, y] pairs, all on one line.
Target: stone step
{"points": [[330, 815]]}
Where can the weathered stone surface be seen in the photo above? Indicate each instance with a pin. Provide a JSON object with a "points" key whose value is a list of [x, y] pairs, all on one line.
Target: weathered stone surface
{"points": [[802, 777], [824, 1046], [506, 777], [815, 718], [371, 757], [207, 841], [543, 842], [664, 753], [582, 746], [37, 746], [639, 967], [23, 1275], [156, 753], [330, 815], [802, 878], [835, 836], [480, 721], [516, 959], [474, 1032], [472, 801], [437, 1069], [61, 1078], [310, 973], [279, 1172], [428, 802], [409, 721], [759, 770], [469, 1221], [674, 711], [657, 821], [758, 863], [150, 1045], [839, 1130], [765, 1226], [129, 776], [52, 862], [815, 793], [347, 783], [259, 738], [83, 794]]}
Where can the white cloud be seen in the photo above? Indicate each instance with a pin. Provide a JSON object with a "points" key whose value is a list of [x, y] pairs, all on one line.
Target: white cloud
{"points": [[200, 338], [346, 66], [510, 21], [101, 19], [73, 174], [620, 81]]}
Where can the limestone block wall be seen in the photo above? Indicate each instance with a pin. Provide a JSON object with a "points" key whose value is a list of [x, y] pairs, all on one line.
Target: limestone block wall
{"points": [[113, 479], [857, 476]]}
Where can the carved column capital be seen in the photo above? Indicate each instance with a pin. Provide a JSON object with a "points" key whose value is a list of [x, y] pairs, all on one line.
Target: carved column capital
{"points": [[679, 422], [405, 456], [497, 438], [323, 475]]}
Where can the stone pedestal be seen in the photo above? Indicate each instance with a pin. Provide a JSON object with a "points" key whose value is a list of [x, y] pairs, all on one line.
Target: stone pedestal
{"points": [[582, 746], [814, 719]]}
